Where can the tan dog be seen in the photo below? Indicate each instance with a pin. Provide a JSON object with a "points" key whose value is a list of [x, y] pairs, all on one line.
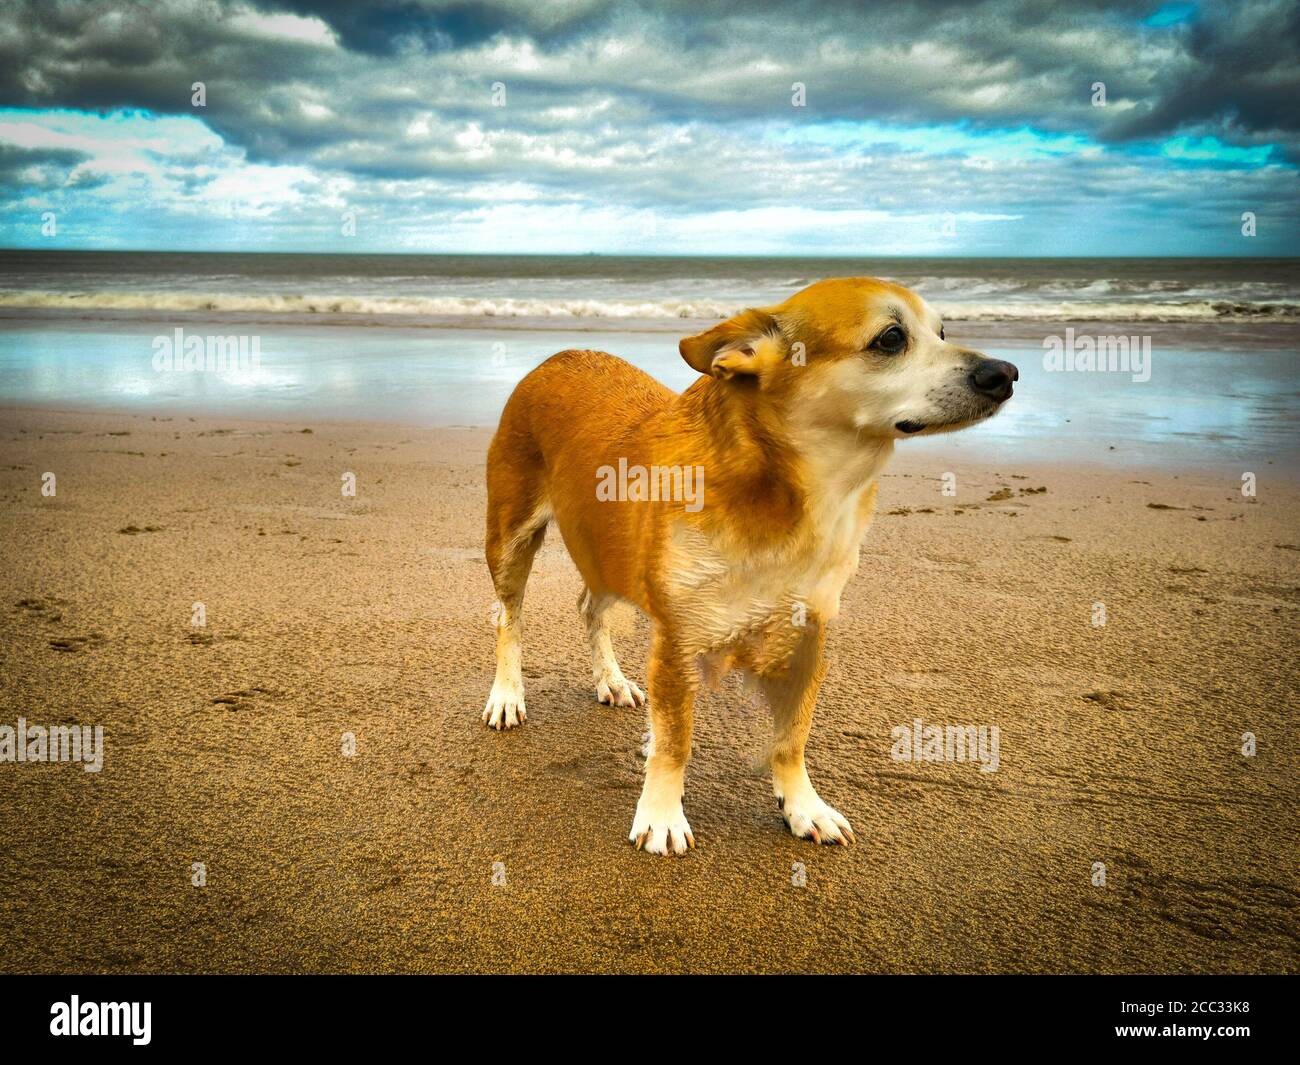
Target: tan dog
{"points": [[730, 514]]}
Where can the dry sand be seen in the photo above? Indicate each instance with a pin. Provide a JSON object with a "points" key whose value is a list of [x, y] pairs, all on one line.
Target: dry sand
{"points": [[325, 615]]}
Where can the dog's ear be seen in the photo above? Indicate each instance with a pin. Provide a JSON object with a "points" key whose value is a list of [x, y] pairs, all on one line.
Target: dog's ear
{"points": [[749, 343]]}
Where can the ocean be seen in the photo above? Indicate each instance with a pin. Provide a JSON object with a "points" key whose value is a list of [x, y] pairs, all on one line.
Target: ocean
{"points": [[442, 340], [620, 288]]}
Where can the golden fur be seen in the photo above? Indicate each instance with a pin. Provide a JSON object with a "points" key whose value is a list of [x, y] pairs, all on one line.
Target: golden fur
{"points": [[790, 424]]}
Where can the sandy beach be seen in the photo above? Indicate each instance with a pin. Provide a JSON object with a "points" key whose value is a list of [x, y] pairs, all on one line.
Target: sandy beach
{"points": [[326, 615], [270, 274]]}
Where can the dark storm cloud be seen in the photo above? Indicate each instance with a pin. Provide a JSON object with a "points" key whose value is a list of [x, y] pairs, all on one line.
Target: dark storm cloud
{"points": [[384, 29], [1230, 71], [1238, 74], [677, 109], [129, 55], [39, 168]]}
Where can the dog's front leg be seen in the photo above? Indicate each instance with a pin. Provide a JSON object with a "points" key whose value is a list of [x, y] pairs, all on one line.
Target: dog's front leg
{"points": [[660, 825], [792, 695]]}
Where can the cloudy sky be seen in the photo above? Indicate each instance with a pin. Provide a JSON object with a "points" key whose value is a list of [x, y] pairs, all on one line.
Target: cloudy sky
{"points": [[961, 128]]}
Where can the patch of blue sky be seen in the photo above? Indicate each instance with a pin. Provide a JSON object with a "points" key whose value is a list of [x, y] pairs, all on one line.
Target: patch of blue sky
{"points": [[1023, 143], [87, 130], [1171, 14], [1213, 150]]}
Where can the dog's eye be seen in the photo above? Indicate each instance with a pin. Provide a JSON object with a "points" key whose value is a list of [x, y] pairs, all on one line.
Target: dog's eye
{"points": [[891, 341], [941, 337]]}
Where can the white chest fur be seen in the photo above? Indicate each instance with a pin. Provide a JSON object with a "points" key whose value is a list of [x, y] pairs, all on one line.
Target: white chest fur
{"points": [[723, 596]]}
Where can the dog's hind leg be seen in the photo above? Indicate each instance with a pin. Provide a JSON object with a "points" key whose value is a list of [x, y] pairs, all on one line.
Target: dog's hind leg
{"points": [[612, 687], [517, 515]]}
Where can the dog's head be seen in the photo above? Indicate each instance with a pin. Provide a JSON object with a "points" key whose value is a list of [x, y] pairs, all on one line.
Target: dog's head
{"points": [[867, 355]]}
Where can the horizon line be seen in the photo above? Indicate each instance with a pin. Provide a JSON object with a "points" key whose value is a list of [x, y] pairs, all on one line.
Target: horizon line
{"points": [[614, 255]]}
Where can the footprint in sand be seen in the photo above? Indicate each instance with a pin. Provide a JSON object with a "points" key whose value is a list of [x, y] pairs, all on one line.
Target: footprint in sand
{"points": [[244, 699], [947, 563], [135, 530], [1110, 700], [46, 608], [605, 771], [75, 644], [1225, 909]]}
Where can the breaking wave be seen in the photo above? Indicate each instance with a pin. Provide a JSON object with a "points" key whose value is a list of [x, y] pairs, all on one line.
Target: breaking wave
{"points": [[1189, 310]]}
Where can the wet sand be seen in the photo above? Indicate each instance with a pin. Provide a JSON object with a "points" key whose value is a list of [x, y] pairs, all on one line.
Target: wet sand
{"points": [[1218, 397], [326, 615]]}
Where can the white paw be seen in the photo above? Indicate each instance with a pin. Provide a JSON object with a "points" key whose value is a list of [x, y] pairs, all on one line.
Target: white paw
{"points": [[810, 818], [614, 689], [505, 707], [661, 831]]}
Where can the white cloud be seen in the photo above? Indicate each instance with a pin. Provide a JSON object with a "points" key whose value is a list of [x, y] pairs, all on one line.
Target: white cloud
{"points": [[284, 27]]}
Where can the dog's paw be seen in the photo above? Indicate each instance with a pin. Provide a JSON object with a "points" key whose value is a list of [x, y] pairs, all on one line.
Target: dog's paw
{"points": [[617, 690], [505, 708], [665, 832], [810, 818]]}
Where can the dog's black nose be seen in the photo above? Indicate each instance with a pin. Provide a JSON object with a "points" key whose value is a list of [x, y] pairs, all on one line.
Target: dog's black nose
{"points": [[993, 378]]}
